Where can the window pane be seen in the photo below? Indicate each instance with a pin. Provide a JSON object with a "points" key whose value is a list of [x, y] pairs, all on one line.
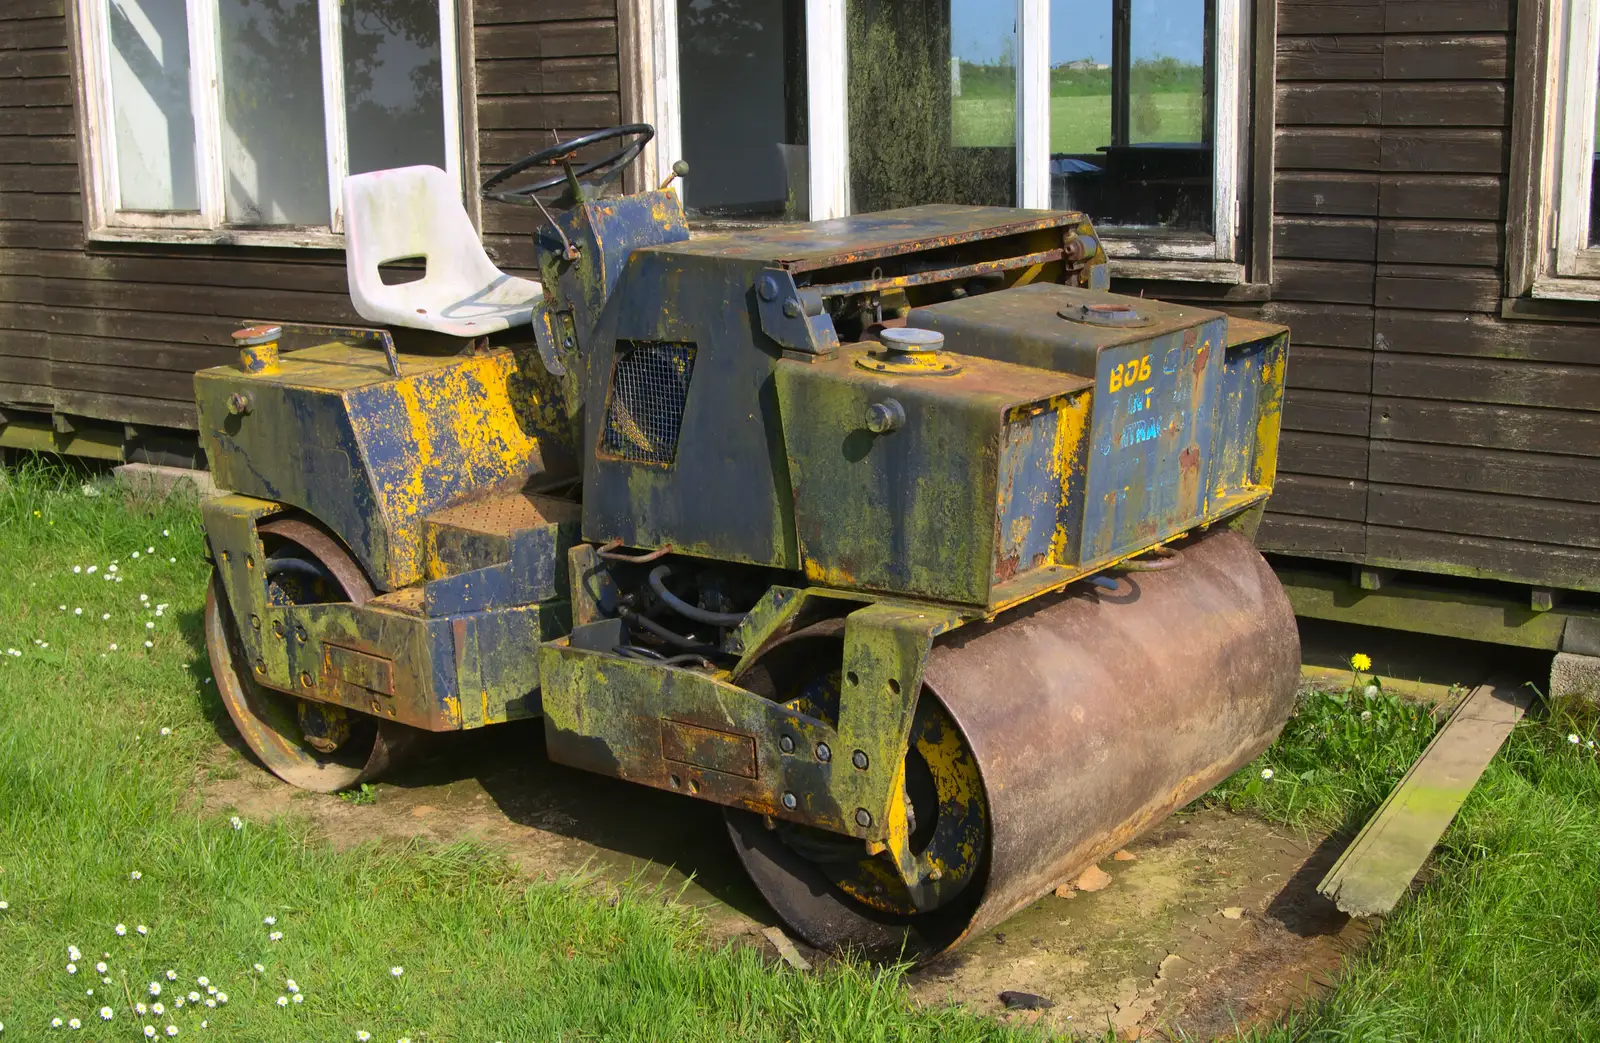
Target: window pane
{"points": [[150, 105], [273, 151], [742, 88], [1131, 111], [932, 103], [393, 98]]}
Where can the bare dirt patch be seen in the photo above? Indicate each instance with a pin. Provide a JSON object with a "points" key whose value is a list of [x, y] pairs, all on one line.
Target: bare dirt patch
{"points": [[1211, 926]]}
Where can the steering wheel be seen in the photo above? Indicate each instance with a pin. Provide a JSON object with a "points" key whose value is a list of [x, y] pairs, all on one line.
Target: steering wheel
{"points": [[560, 154]]}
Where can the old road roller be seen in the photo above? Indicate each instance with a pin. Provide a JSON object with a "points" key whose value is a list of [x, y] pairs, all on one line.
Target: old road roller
{"points": [[897, 536]]}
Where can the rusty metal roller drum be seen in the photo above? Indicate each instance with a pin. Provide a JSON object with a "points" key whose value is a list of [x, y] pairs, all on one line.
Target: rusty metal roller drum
{"points": [[1092, 716]]}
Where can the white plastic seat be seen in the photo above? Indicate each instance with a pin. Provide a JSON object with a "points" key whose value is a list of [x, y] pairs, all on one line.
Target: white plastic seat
{"points": [[392, 215]]}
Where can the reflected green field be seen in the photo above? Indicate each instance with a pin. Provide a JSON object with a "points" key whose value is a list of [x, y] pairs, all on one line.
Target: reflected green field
{"points": [[1079, 123]]}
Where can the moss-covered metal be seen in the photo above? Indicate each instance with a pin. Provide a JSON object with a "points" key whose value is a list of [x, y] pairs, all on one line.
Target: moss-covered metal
{"points": [[387, 657], [367, 454]]}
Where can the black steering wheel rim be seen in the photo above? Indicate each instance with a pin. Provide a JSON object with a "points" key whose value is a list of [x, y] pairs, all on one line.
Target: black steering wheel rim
{"points": [[609, 166]]}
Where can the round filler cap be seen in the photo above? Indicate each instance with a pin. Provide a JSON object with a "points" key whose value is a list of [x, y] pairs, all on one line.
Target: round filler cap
{"points": [[906, 339]]}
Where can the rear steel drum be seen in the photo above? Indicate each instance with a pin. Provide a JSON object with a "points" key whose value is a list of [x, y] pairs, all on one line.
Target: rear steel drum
{"points": [[1091, 716]]}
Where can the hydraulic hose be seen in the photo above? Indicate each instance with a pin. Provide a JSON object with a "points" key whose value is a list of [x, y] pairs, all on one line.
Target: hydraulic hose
{"points": [[683, 608], [671, 637]]}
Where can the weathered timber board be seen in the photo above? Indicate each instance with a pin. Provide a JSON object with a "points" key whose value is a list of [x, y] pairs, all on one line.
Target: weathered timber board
{"points": [[1546, 475], [1494, 381], [1319, 453], [1312, 537], [1377, 868], [1493, 427], [1485, 557], [1355, 195]]}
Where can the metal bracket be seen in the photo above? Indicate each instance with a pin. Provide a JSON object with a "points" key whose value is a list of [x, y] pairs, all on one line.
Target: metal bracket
{"points": [[359, 334], [544, 335], [793, 317]]}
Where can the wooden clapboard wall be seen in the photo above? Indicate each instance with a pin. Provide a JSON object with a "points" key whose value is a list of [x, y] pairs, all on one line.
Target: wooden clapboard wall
{"points": [[116, 331], [1423, 430]]}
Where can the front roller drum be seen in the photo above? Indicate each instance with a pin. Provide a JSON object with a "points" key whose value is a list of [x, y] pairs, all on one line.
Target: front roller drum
{"points": [[313, 745], [1087, 718]]}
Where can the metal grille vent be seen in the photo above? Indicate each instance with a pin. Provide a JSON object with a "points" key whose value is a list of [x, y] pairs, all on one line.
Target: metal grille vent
{"points": [[649, 385]]}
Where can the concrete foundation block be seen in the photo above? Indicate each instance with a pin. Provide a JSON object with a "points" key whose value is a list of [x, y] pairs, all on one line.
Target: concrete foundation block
{"points": [[1574, 676], [156, 482]]}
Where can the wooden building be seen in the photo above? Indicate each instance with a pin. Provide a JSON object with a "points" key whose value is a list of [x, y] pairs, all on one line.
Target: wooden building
{"points": [[1404, 183]]}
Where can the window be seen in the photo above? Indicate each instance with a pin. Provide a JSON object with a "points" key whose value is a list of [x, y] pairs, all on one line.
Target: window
{"points": [[1129, 110], [1553, 229], [237, 120]]}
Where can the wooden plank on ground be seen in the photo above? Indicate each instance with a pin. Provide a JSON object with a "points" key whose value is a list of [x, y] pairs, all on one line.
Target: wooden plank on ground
{"points": [[1379, 865]]}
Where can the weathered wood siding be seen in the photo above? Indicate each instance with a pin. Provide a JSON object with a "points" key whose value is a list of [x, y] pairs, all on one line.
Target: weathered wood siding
{"points": [[1424, 431], [116, 331]]}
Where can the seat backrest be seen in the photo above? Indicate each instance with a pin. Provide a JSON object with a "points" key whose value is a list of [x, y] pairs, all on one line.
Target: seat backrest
{"points": [[390, 215]]}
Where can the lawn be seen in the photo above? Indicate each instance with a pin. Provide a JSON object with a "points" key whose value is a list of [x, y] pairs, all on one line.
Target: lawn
{"points": [[102, 739], [1079, 123]]}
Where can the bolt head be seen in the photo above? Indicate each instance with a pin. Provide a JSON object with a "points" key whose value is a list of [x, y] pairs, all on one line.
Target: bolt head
{"points": [[859, 759], [791, 307], [767, 287], [789, 801], [785, 744], [823, 753], [863, 817]]}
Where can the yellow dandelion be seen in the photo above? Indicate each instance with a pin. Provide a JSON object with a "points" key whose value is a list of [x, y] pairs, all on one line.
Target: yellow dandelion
{"points": [[1361, 661]]}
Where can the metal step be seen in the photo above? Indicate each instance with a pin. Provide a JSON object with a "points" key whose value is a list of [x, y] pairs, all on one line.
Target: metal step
{"points": [[479, 533], [1379, 865]]}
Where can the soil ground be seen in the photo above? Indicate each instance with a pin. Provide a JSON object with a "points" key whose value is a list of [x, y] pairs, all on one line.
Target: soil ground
{"points": [[1214, 922], [1212, 926]]}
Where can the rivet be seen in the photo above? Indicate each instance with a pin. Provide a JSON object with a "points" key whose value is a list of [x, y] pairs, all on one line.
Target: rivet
{"points": [[859, 759], [785, 744], [863, 817], [789, 801], [767, 286], [823, 753]]}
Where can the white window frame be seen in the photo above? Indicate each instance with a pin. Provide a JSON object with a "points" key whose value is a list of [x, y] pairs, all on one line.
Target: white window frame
{"points": [[103, 218], [1564, 266], [1210, 259]]}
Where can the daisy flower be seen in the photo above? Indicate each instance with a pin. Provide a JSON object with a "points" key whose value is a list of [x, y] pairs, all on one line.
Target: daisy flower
{"points": [[155, 988], [397, 971], [74, 1024], [121, 930], [236, 822], [269, 920], [142, 929], [172, 975], [105, 1014], [1266, 773], [150, 1032], [275, 936], [283, 1001]]}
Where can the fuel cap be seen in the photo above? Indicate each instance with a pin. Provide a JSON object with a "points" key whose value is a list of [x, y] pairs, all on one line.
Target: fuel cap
{"points": [[908, 340], [1105, 313]]}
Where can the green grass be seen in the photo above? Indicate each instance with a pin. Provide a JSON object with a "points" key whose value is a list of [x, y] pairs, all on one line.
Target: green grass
{"points": [[92, 790], [1503, 942], [1079, 123], [1336, 760]]}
